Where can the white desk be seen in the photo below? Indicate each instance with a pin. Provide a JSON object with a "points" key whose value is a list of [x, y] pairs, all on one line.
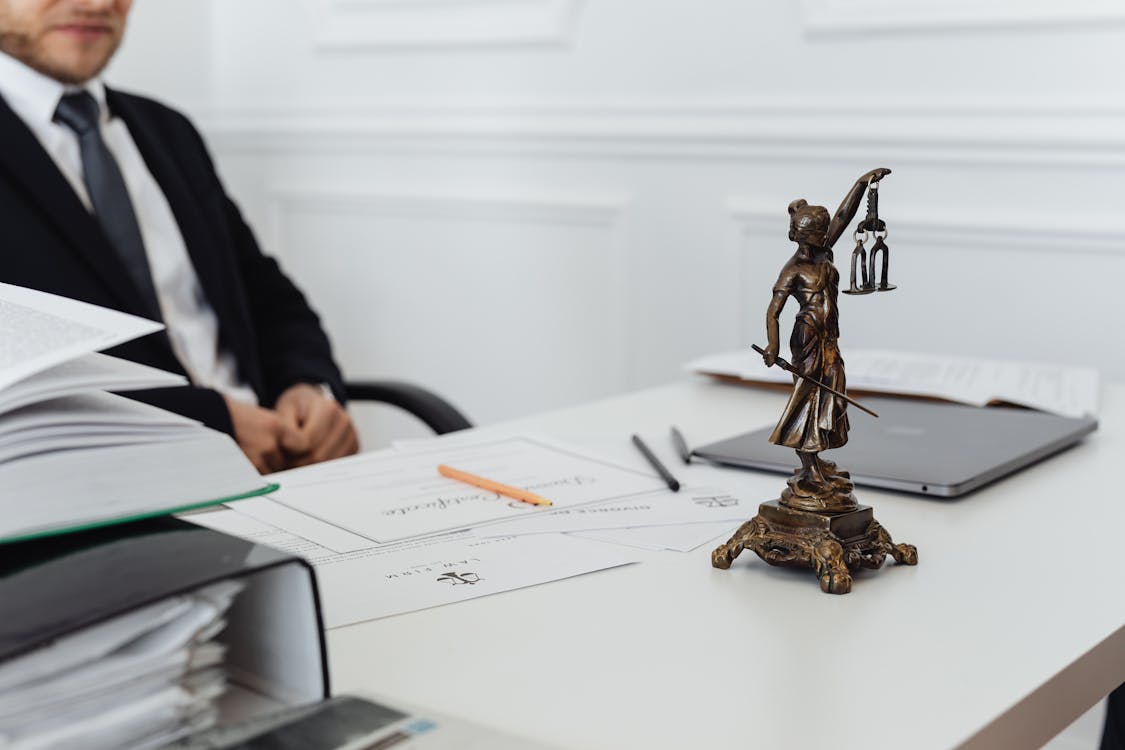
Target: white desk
{"points": [[1007, 630]]}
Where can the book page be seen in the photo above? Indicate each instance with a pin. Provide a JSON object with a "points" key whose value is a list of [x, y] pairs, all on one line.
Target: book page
{"points": [[82, 374], [1068, 390], [40, 330], [1061, 389]]}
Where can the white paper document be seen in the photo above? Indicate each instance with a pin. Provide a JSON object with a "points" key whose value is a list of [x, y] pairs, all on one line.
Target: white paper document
{"points": [[392, 579], [1062, 389], [683, 538], [394, 495], [331, 538], [691, 505], [418, 575], [40, 330]]}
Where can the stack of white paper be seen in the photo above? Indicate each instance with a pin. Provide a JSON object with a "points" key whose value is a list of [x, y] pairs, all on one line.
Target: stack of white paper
{"points": [[140, 680], [75, 455], [83, 421]]}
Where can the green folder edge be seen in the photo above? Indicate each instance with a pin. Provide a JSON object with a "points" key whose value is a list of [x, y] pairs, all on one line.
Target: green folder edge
{"points": [[264, 490]]}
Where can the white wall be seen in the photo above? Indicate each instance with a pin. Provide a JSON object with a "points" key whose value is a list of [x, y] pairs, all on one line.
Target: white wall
{"points": [[168, 53], [528, 203]]}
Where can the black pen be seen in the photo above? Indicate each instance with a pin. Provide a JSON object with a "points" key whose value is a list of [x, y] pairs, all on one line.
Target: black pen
{"points": [[681, 445], [671, 481]]}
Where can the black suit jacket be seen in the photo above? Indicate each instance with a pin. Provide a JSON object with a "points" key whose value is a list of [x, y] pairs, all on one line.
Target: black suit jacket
{"points": [[49, 241]]}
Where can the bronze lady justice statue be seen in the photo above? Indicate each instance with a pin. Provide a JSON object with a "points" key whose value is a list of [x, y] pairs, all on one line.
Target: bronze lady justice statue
{"points": [[816, 522]]}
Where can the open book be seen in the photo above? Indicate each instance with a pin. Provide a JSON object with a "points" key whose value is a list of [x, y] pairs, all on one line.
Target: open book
{"points": [[73, 455], [1061, 389]]}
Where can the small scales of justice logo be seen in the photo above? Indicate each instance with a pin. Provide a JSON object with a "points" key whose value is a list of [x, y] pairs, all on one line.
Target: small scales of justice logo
{"points": [[458, 579], [716, 501]]}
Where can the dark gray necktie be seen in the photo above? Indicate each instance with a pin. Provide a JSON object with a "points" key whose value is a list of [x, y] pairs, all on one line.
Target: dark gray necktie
{"points": [[106, 186]]}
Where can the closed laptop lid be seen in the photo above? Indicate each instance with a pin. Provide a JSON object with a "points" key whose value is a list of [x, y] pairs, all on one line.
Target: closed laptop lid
{"points": [[921, 446]]}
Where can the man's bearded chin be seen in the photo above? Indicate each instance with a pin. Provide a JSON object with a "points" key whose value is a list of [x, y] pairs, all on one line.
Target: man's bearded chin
{"points": [[23, 48]]}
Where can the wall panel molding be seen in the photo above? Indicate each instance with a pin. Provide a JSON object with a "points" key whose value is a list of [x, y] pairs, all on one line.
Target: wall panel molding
{"points": [[863, 16], [586, 209], [607, 211], [377, 25], [992, 286], [984, 234], [1083, 134], [606, 215]]}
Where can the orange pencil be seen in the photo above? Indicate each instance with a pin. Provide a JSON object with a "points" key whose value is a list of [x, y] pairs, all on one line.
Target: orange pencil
{"points": [[487, 484]]}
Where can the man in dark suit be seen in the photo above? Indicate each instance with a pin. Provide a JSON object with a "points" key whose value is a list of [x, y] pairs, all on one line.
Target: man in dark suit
{"points": [[112, 199]]}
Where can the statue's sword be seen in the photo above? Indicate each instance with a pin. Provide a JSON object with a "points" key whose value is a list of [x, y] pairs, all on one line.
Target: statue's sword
{"points": [[790, 368]]}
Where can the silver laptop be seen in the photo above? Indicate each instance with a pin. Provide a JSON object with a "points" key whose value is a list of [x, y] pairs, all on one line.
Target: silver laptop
{"points": [[921, 446]]}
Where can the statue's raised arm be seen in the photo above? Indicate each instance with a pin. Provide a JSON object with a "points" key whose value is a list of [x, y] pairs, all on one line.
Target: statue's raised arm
{"points": [[846, 212]]}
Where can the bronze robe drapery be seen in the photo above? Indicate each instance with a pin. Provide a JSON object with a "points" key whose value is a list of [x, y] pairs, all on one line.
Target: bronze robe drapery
{"points": [[814, 419]]}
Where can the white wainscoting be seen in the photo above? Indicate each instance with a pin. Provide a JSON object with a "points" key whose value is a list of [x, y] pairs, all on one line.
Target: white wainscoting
{"points": [[940, 130], [998, 286], [504, 303], [994, 241], [860, 16], [1000, 213], [374, 25]]}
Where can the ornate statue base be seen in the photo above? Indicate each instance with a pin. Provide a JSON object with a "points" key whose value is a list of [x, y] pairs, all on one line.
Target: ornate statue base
{"points": [[829, 543]]}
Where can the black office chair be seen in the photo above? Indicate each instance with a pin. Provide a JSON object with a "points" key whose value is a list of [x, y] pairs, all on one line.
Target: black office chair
{"points": [[437, 413]]}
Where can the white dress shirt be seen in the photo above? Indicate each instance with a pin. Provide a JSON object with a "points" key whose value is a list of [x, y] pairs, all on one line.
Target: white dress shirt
{"points": [[190, 320]]}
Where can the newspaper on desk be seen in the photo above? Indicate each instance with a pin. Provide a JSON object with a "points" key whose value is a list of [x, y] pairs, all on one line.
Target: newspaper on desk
{"points": [[388, 535], [1067, 390]]}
